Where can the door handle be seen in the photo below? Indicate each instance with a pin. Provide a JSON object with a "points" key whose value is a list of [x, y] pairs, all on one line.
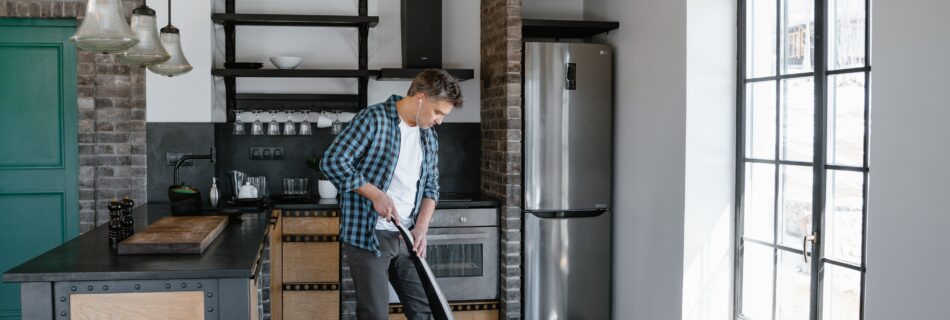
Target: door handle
{"points": [[813, 238]]}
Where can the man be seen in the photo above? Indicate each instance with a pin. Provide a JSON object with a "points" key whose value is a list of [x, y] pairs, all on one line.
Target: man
{"points": [[385, 163]]}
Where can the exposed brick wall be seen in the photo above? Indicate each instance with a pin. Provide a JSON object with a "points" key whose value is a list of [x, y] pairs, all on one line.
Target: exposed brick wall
{"points": [[501, 112], [111, 101]]}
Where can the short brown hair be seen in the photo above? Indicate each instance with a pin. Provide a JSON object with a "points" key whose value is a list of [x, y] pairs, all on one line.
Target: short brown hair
{"points": [[437, 83]]}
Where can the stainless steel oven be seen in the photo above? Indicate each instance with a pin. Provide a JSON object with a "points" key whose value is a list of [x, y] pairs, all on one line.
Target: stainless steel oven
{"points": [[462, 252]]}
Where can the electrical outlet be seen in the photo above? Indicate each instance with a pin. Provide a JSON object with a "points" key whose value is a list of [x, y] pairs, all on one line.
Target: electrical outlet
{"points": [[266, 153], [172, 157]]}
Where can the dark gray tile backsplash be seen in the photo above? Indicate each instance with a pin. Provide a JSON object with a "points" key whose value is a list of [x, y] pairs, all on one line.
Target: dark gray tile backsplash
{"points": [[459, 156], [161, 138]]}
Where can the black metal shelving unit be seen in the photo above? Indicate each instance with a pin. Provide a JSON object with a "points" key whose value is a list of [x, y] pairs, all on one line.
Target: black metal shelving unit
{"points": [[362, 21], [270, 101], [294, 73], [294, 20]]}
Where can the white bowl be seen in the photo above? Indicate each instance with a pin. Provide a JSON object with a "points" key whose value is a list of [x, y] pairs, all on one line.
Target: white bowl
{"points": [[285, 62]]}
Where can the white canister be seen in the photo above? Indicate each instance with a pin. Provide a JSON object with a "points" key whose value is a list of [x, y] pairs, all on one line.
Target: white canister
{"points": [[326, 189], [247, 191]]}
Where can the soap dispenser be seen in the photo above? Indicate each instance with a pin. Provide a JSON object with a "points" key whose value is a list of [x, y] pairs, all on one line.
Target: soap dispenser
{"points": [[214, 195]]}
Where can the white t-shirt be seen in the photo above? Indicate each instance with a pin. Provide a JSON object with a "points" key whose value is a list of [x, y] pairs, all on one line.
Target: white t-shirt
{"points": [[404, 185]]}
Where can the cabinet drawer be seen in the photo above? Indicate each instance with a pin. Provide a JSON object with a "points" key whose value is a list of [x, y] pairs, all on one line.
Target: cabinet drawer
{"points": [[311, 225], [311, 262], [313, 304]]}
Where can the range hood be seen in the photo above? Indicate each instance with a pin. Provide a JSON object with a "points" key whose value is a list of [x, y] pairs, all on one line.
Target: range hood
{"points": [[421, 42]]}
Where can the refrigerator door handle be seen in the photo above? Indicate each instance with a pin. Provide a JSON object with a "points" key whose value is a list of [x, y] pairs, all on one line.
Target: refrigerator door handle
{"points": [[566, 214]]}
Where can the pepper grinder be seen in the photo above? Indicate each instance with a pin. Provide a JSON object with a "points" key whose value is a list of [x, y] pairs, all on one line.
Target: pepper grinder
{"points": [[127, 222], [115, 223]]}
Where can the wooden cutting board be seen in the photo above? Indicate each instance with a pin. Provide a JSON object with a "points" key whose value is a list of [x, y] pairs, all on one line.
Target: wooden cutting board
{"points": [[175, 235]]}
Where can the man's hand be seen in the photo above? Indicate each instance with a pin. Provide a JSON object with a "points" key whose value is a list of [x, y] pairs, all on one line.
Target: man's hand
{"points": [[419, 240], [385, 207], [422, 226]]}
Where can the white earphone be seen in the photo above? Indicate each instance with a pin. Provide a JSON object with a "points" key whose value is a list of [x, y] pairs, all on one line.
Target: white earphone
{"points": [[418, 110]]}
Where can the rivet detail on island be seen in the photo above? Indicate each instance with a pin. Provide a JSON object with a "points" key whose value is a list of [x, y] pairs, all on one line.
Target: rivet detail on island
{"points": [[460, 307], [310, 213], [311, 238], [311, 286], [160, 293]]}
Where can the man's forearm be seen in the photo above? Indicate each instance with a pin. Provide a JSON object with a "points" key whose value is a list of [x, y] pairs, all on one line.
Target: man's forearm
{"points": [[425, 213], [369, 191]]}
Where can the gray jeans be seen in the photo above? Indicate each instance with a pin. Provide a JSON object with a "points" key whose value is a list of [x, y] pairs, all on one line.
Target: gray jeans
{"points": [[371, 273]]}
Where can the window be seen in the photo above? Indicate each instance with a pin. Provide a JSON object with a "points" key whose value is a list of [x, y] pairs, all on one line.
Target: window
{"points": [[804, 74]]}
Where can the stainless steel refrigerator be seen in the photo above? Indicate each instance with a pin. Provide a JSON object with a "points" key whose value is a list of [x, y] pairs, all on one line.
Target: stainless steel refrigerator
{"points": [[568, 160]]}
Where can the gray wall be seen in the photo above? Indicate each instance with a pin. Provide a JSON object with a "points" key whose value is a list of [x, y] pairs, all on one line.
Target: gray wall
{"points": [[650, 102], [553, 9], [907, 216]]}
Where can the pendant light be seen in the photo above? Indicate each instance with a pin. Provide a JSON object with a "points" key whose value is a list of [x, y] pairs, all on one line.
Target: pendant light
{"points": [[104, 28], [171, 39], [149, 50]]}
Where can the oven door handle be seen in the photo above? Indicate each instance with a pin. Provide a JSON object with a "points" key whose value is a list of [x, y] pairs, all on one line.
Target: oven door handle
{"points": [[457, 236]]}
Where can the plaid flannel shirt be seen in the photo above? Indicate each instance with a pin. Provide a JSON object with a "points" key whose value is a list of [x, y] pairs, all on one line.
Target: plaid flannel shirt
{"points": [[366, 152]]}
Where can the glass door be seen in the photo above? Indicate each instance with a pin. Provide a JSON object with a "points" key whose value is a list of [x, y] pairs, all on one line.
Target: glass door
{"points": [[802, 170]]}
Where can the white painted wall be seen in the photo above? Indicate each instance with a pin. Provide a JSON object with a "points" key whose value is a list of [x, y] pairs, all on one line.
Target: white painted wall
{"points": [[188, 97], [710, 159], [650, 101], [334, 48], [907, 215], [553, 9], [675, 100]]}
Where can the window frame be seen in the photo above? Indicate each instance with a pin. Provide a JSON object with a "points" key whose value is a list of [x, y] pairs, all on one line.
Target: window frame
{"points": [[821, 76]]}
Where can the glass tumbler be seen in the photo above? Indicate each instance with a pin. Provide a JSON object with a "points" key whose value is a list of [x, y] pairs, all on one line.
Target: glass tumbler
{"points": [[273, 128], [305, 129], [303, 186], [257, 128], [238, 128], [290, 129]]}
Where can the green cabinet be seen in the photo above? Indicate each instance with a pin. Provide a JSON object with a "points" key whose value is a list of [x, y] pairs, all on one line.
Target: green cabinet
{"points": [[39, 165]]}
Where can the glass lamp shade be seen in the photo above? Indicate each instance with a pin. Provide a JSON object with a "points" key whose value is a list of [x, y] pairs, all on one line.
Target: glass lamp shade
{"points": [[177, 64], [149, 50], [104, 28]]}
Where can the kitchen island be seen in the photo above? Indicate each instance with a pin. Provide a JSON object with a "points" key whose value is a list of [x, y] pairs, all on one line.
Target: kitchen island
{"points": [[85, 273], [231, 279]]}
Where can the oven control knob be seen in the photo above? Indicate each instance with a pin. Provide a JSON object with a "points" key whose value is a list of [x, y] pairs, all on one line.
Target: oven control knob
{"points": [[463, 219]]}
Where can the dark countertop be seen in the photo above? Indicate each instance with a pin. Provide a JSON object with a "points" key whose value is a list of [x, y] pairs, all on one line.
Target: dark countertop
{"points": [[88, 257], [232, 255]]}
